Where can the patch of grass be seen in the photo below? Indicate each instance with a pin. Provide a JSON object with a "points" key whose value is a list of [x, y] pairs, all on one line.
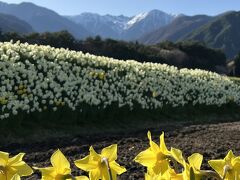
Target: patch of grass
{"points": [[64, 123], [235, 80]]}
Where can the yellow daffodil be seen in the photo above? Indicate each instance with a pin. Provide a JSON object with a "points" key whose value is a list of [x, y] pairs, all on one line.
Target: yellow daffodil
{"points": [[101, 166], [154, 94], [228, 168], [155, 158], [192, 168], [11, 166], [101, 75], [3, 101], [60, 169]]}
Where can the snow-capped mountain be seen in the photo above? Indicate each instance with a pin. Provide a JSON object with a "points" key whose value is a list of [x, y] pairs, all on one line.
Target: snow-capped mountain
{"points": [[136, 19], [123, 27], [147, 22], [89, 24], [106, 26]]}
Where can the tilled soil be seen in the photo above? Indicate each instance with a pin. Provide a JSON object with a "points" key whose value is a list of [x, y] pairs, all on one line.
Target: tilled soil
{"points": [[213, 141]]}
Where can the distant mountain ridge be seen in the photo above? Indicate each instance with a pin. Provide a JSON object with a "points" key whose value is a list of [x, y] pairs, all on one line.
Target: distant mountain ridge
{"points": [[176, 30], [10, 23], [123, 27], [222, 33], [43, 19], [107, 26]]}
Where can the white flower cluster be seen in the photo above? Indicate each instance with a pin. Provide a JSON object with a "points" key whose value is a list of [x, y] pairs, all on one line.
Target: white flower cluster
{"points": [[36, 78]]}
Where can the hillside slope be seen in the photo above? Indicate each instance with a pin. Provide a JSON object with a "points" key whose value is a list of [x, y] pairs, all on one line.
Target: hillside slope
{"points": [[10, 23], [43, 19], [177, 30], [221, 33]]}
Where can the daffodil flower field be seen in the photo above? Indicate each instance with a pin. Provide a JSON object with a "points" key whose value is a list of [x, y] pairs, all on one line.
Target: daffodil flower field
{"points": [[39, 78], [42, 79]]}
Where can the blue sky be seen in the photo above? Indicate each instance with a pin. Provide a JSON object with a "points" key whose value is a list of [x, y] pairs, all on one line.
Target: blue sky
{"points": [[132, 7]]}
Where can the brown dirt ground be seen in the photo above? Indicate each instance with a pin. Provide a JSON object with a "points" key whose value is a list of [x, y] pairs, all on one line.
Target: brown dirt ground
{"points": [[213, 141]]}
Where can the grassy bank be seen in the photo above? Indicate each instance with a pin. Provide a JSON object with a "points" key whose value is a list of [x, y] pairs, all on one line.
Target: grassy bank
{"points": [[49, 124]]}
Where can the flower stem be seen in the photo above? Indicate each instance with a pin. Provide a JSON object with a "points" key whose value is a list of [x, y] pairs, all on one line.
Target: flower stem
{"points": [[177, 167], [226, 169], [211, 174], [105, 160]]}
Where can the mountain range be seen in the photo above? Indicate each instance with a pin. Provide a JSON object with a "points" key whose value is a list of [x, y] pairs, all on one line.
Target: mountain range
{"points": [[221, 31], [123, 27], [42, 19], [177, 30], [9, 23]]}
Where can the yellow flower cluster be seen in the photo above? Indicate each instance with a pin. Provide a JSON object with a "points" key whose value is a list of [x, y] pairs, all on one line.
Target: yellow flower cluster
{"points": [[99, 166], [3, 101], [13, 168], [164, 164], [161, 163], [100, 75]]}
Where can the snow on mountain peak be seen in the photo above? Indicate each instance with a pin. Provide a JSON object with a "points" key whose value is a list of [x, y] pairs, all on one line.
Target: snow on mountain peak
{"points": [[123, 26], [136, 19]]}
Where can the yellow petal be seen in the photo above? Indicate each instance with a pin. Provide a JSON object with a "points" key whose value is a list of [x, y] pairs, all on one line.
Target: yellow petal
{"points": [[21, 168], [16, 159], [60, 163], [146, 158], [16, 177], [218, 166], [236, 163], [161, 167], [163, 146], [81, 178], [177, 155], [94, 154], [153, 177], [175, 176], [95, 174], [154, 147], [47, 173], [148, 177], [117, 168], [110, 152], [87, 163], [10, 173], [17, 166], [229, 156], [2, 176], [3, 158], [195, 160]]}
